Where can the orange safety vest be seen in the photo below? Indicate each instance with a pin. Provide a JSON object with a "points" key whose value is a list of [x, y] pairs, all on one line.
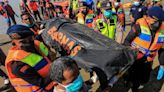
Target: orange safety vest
{"points": [[2, 12], [29, 58], [144, 42], [33, 6], [89, 19]]}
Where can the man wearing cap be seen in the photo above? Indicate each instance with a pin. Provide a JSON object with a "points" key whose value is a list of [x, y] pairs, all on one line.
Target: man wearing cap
{"points": [[147, 37], [107, 23], [27, 62]]}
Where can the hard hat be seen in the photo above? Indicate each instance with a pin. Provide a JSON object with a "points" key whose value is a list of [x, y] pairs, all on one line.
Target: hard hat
{"points": [[156, 12], [19, 32]]}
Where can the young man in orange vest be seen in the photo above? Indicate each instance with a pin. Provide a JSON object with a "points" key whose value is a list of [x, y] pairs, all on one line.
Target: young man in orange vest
{"points": [[147, 37], [27, 62]]}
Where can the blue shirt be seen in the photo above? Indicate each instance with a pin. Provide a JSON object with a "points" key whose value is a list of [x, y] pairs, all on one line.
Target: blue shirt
{"points": [[138, 11]]}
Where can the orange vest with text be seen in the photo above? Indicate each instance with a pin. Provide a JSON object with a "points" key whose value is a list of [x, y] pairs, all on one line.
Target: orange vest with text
{"points": [[148, 45]]}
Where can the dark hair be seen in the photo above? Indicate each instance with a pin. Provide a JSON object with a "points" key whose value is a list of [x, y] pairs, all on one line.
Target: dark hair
{"points": [[25, 13], [58, 66]]}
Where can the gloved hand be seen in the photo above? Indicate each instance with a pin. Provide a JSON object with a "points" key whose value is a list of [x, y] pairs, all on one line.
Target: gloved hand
{"points": [[160, 73]]}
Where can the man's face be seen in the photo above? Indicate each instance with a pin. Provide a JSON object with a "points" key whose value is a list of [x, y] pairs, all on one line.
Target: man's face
{"points": [[27, 19], [154, 23], [151, 20]]}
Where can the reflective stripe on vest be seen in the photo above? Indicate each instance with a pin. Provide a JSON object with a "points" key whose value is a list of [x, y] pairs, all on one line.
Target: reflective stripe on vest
{"points": [[143, 41], [89, 18], [107, 30]]}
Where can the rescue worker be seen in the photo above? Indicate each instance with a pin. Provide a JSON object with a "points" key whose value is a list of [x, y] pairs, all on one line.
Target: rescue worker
{"points": [[85, 15], [27, 62], [3, 12], [34, 8], [147, 37], [10, 12], [120, 12], [2, 73], [137, 11], [65, 72], [107, 24]]}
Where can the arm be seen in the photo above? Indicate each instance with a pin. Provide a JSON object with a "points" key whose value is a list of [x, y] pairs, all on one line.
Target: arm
{"points": [[119, 33], [135, 31], [27, 73], [161, 61], [131, 16]]}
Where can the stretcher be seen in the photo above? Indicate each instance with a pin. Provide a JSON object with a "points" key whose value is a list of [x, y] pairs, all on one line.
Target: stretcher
{"points": [[91, 50]]}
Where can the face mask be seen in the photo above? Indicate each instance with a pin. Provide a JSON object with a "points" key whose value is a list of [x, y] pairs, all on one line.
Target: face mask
{"points": [[107, 14], [30, 25], [155, 26], [75, 85], [84, 12], [136, 3], [116, 4]]}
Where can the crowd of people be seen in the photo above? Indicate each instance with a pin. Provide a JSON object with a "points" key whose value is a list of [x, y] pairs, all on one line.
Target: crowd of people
{"points": [[30, 65]]}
